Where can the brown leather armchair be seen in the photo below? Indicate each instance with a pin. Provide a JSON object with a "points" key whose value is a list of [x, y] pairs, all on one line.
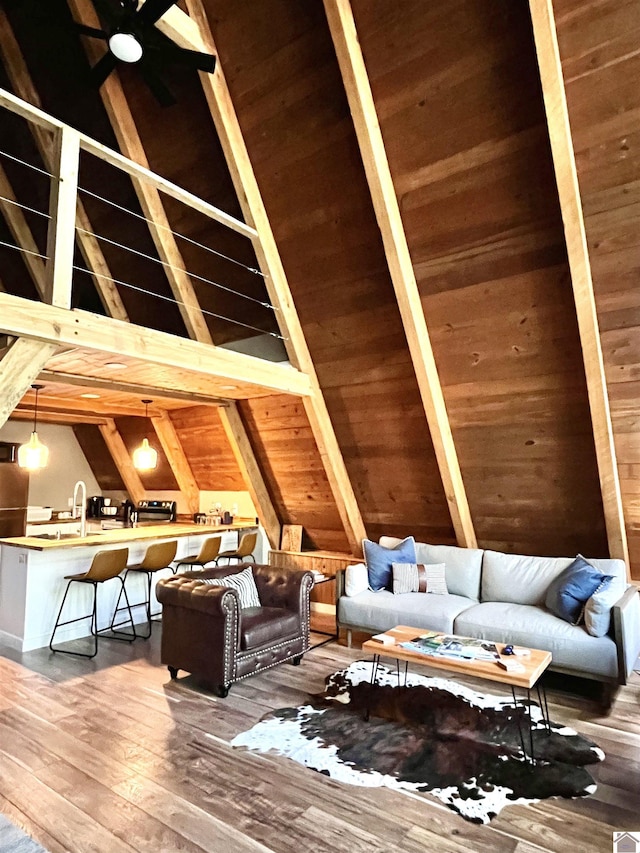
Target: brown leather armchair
{"points": [[205, 632]]}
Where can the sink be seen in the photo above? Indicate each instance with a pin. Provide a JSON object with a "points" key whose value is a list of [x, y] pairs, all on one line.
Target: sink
{"points": [[53, 536]]}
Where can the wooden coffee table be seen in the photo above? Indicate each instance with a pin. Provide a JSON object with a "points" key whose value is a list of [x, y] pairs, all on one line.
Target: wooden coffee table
{"points": [[535, 664]]}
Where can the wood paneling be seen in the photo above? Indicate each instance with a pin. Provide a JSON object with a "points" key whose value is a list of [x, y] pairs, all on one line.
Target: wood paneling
{"points": [[286, 88], [467, 145], [133, 430], [601, 66], [207, 449], [94, 448], [288, 457]]}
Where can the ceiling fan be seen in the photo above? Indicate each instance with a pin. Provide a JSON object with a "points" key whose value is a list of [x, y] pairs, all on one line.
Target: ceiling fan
{"points": [[132, 37]]}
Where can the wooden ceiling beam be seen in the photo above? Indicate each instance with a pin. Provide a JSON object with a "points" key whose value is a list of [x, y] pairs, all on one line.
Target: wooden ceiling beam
{"points": [[177, 459], [562, 151], [233, 145], [19, 368], [57, 417], [356, 82], [23, 86], [131, 146], [251, 472], [60, 326], [122, 460], [165, 393]]}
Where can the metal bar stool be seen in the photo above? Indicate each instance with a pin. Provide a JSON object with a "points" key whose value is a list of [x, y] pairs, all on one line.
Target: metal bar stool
{"points": [[245, 549], [104, 566], [158, 556], [208, 552]]}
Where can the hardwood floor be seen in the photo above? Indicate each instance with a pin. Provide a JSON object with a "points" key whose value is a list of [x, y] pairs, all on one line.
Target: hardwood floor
{"points": [[111, 756]]}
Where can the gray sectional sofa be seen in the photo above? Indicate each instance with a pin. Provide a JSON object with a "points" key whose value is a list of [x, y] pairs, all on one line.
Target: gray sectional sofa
{"points": [[500, 597]]}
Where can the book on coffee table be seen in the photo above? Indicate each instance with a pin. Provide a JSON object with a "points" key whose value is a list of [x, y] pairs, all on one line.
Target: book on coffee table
{"points": [[445, 645]]}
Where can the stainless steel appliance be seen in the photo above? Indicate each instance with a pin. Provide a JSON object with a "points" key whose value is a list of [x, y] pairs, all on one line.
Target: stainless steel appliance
{"points": [[155, 512], [14, 493]]}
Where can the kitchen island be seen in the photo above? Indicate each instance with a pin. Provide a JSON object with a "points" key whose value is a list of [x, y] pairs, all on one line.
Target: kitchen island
{"points": [[32, 571]]}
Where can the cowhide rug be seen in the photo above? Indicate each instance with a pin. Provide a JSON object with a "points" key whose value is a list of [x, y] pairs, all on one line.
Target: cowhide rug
{"points": [[433, 736]]}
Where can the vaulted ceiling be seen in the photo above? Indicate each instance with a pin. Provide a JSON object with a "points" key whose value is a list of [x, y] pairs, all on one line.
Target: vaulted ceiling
{"points": [[465, 364]]}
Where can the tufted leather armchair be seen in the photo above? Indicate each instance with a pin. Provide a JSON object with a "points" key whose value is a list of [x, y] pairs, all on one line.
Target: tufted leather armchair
{"points": [[205, 632]]}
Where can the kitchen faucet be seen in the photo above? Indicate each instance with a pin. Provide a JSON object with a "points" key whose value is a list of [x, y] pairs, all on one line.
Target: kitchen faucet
{"points": [[80, 486]]}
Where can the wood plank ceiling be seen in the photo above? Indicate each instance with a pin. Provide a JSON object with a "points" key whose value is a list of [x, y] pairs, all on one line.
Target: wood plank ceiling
{"points": [[457, 92]]}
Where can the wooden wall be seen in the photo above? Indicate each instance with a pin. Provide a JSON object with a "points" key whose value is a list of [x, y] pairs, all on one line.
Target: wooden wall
{"points": [[289, 459], [286, 87], [468, 148], [97, 454], [601, 66], [207, 449]]}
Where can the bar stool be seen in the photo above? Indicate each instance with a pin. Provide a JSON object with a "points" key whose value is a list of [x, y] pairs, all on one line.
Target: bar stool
{"points": [[157, 557], [208, 552], [104, 566], [245, 549]]}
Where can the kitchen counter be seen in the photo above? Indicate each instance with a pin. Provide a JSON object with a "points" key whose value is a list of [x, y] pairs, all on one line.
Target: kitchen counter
{"points": [[124, 535], [33, 575]]}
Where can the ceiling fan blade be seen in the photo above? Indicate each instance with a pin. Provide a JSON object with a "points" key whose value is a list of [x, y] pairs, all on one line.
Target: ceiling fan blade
{"points": [[161, 92], [102, 69], [108, 12], [92, 32], [193, 58], [153, 10]]}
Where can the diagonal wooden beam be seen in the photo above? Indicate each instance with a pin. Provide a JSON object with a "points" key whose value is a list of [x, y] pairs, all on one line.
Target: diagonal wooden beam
{"points": [[22, 234], [23, 86], [356, 82], [122, 460], [232, 140], [252, 474], [19, 367], [562, 151], [178, 462], [131, 146], [75, 328]]}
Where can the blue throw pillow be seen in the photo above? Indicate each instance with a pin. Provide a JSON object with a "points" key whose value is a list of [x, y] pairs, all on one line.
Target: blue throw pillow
{"points": [[379, 561], [572, 588]]}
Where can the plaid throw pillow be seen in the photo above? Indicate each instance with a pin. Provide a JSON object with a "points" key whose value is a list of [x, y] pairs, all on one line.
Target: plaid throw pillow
{"points": [[419, 577], [244, 583]]}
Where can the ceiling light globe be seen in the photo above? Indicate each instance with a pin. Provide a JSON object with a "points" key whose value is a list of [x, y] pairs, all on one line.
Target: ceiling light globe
{"points": [[145, 457], [126, 47], [33, 455]]}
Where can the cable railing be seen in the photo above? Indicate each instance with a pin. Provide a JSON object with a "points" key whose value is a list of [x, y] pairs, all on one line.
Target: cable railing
{"points": [[65, 232]]}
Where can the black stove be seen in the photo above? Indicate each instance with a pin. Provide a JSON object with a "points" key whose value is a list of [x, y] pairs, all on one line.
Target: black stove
{"points": [[155, 512]]}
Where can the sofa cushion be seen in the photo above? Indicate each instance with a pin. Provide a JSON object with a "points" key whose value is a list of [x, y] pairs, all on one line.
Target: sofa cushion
{"points": [[597, 610], [356, 579], [463, 565], [568, 593], [419, 577], [380, 559], [243, 582], [519, 579], [571, 646], [262, 625], [380, 611]]}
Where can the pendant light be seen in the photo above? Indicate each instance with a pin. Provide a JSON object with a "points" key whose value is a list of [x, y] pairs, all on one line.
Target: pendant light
{"points": [[145, 458], [33, 455]]}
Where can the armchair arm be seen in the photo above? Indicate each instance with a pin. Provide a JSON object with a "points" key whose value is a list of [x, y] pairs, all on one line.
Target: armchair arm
{"points": [[189, 591], [626, 631]]}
